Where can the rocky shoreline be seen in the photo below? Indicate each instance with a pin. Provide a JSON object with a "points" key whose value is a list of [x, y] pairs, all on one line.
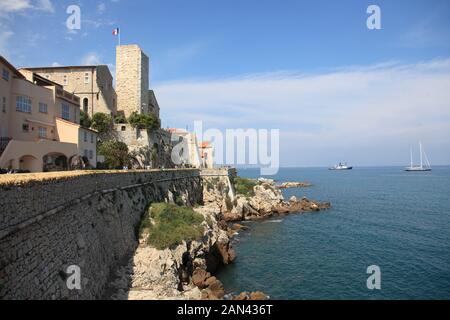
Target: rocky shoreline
{"points": [[187, 271], [292, 185]]}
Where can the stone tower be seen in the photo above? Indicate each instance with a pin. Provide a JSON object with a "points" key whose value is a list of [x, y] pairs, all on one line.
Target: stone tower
{"points": [[132, 79]]}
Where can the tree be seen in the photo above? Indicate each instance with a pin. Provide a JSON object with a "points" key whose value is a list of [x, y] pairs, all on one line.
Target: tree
{"points": [[85, 120], [120, 119], [115, 153], [102, 122], [143, 121]]}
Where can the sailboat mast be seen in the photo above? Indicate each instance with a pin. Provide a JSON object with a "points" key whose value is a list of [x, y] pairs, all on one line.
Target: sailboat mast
{"points": [[410, 151], [421, 156]]}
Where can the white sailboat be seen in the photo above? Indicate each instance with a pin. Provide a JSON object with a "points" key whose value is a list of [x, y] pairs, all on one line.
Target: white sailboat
{"points": [[422, 167]]}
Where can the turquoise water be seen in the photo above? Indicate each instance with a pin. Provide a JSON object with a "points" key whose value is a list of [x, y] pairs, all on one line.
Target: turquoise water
{"points": [[381, 216]]}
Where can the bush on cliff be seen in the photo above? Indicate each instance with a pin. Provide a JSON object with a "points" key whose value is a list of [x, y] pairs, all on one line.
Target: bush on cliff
{"points": [[168, 225], [244, 186]]}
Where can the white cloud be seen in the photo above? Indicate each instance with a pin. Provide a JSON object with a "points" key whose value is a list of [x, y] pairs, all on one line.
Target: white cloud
{"points": [[5, 35], [101, 7], [92, 58], [45, 5], [56, 64], [369, 115], [12, 6]]}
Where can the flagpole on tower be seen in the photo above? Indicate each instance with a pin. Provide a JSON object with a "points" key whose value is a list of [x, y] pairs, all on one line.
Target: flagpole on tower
{"points": [[119, 34]]}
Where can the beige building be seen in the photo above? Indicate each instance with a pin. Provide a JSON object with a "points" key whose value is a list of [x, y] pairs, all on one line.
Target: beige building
{"points": [[186, 148], [39, 123], [132, 82], [92, 84], [207, 155]]}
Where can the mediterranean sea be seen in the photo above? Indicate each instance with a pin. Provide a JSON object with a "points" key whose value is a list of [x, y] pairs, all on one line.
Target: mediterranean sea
{"points": [[396, 220]]}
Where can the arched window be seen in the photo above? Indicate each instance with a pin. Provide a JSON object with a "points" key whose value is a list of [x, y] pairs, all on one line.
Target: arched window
{"points": [[85, 105]]}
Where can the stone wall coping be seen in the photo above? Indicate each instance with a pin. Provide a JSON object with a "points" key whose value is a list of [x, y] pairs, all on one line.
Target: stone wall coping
{"points": [[23, 179]]}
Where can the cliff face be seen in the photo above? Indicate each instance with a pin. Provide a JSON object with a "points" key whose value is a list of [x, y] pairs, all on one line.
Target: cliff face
{"points": [[183, 272]]}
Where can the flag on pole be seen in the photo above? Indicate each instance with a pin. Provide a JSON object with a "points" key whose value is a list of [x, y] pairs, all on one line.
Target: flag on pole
{"points": [[116, 32]]}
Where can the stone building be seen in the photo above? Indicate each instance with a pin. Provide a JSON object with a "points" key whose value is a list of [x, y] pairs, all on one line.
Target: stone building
{"points": [[187, 148], [133, 95], [207, 154], [151, 147], [153, 106], [132, 79], [132, 82], [92, 84], [39, 123]]}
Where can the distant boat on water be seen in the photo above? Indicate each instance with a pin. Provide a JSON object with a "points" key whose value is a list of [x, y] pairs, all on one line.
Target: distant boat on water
{"points": [[341, 166], [422, 166]]}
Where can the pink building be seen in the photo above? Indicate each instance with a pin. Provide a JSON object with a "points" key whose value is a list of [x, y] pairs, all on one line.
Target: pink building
{"points": [[39, 123]]}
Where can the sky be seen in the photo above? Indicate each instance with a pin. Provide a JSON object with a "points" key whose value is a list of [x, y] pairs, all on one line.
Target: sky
{"points": [[336, 90]]}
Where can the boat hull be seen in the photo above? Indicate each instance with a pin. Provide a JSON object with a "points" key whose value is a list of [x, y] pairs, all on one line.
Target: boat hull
{"points": [[340, 169], [416, 170]]}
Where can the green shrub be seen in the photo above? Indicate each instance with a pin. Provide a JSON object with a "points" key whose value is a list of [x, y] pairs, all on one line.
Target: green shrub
{"points": [[179, 200], [115, 153], [143, 121], [171, 225], [120, 119], [102, 122], [244, 186], [85, 120], [228, 203]]}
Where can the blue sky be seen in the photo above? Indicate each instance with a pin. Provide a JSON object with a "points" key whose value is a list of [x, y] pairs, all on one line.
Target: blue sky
{"points": [[337, 90]]}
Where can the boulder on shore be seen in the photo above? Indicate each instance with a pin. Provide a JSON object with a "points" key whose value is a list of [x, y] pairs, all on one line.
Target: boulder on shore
{"points": [[258, 295]]}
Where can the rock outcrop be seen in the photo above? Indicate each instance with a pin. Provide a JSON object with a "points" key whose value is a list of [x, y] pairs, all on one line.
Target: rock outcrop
{"points": [[258, 295], [289, 185], [268, 201]]}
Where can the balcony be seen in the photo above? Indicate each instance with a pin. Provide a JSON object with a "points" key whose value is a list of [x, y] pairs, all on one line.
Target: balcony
{"points": [[60, 93]]}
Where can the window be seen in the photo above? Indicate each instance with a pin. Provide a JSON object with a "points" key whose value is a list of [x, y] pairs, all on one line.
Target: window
{"points": [[65, 81], [65, 114], [4, 104], [86, 154], [42, 132], [5, 74], [91, 154], [43, 108], [25, 127], [92, 138], [86, 78], [85, 136], [124, 128], [85, 105], [23, 104]]}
